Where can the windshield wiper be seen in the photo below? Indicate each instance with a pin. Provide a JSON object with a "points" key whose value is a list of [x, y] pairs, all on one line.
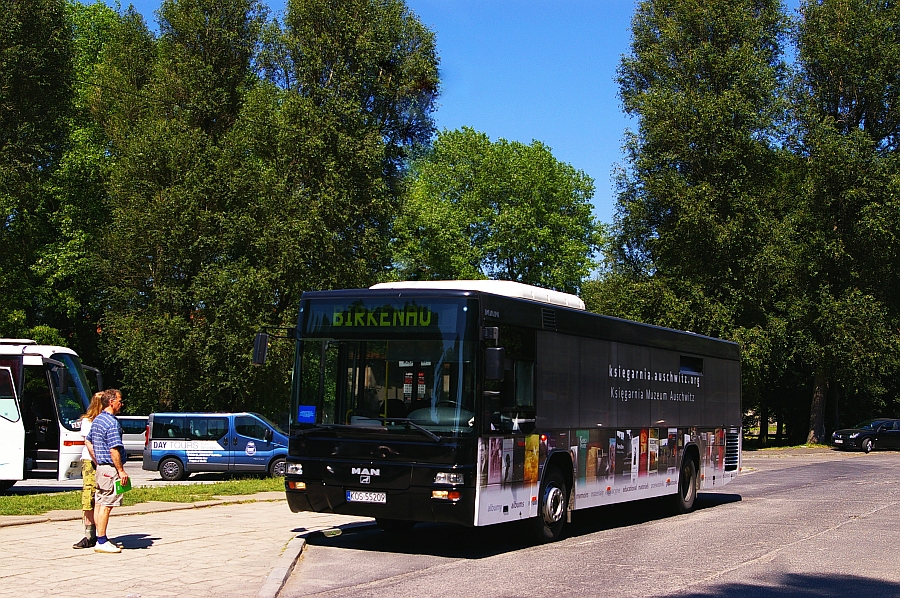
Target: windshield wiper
{"points": [[421, 429]]}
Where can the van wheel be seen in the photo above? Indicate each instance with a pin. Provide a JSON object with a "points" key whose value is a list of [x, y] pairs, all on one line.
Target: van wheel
{"points": [[552, 505], [276, 469], [171, 470], [687, 487]]}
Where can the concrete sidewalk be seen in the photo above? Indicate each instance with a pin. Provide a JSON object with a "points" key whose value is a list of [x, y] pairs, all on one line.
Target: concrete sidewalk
{"points": [[229, 547]]}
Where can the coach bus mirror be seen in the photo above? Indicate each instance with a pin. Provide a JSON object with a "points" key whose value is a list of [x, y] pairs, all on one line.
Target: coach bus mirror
{"points": [[63, 374], [96, 373], [260, 348], [493, 363]]}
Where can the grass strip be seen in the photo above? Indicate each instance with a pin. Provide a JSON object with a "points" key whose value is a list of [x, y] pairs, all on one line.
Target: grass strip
{"points": [[38, 504]]}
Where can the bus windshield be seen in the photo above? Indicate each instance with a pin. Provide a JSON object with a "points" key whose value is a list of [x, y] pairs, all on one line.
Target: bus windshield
{"points": [[388, 383], [77, 397]]}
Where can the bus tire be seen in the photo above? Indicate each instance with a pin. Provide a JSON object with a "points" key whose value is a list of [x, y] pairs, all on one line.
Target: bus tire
{"points": [[553, 501], [395, 526], [6, 485], [171, 469], [276, 469], [686, 495]]}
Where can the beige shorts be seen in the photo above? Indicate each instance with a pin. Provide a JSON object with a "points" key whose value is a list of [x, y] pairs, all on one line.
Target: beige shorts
{"points": [[106, 486], [89, 484]]}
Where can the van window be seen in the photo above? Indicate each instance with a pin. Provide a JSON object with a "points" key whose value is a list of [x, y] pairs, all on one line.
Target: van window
{"points": [[250, 427], [207, 428], [168, 427], [133, 426]]}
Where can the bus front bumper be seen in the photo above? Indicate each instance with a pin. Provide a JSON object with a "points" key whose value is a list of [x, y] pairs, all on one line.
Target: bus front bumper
{"points": [[412, 504]]}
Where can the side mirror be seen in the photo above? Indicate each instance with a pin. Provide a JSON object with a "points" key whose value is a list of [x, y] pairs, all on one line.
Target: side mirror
{"points": [[493, 363], [97, 374], [260, 348], [268, 435], [63, 374]]}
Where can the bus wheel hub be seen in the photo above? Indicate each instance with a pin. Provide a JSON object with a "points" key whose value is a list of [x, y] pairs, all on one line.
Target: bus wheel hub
{"points": [[554, 504]]}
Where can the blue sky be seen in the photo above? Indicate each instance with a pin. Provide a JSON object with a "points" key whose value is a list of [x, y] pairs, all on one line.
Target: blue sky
{"points": [[528, 69]]}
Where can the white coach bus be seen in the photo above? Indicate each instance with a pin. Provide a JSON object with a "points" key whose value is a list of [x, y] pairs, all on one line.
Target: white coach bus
{"points": [[43, 392]]}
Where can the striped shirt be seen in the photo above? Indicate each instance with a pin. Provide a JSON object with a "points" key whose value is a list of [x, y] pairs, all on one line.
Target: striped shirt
{"points": [[106, 436]]}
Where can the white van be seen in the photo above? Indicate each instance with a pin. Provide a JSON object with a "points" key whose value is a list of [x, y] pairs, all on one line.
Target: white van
{"points": [[134, 433]]}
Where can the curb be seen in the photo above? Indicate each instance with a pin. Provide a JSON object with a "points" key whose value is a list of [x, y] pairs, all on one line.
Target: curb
{"points": [[283, 568], [138, 509], [288, 559]]}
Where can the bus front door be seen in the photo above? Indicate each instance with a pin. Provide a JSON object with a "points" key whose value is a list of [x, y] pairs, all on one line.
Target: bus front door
{"points": [[12, 431]]}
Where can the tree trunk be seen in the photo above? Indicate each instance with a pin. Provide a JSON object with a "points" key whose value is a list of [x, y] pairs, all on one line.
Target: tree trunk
{"points": [[763, 424], [817, 411], [779, 427]]}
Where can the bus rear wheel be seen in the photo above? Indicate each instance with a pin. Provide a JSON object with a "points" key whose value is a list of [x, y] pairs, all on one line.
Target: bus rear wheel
{"points": [[552, 505], [687, 487]]}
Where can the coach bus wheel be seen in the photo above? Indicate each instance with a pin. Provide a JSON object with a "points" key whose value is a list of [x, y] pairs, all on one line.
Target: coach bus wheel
{"points": [[867, 445], [171, 470], [276, 469], [554, 498], [395, 526], [687, 487]]}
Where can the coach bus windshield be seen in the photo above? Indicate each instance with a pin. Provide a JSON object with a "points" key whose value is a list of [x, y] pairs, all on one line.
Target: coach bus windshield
{"points": [[76, 398], [395, 366]]}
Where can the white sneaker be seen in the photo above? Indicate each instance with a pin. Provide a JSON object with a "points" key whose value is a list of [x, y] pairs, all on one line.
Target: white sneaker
{"points": [[107, 547]]}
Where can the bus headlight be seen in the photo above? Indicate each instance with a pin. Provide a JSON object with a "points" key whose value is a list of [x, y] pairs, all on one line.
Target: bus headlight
{"points": [[452, 477], [294, 468]]}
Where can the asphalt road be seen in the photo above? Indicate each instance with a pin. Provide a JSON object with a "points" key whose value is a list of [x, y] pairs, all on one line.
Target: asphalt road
{"points": [[804, 524]]}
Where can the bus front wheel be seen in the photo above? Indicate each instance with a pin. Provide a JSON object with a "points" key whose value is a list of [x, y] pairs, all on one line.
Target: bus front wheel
{"points": [[554, 499], [687, 487]]}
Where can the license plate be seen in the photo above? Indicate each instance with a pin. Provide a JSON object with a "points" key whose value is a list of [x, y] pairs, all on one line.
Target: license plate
{"points": [[838, 441], [355, 496]]}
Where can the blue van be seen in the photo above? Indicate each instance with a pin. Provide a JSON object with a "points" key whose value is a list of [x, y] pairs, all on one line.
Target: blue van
{"points": [[180, 444]]}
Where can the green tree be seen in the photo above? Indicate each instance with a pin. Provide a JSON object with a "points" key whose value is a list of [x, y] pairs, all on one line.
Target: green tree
{"points": [[232, 193], [505, 210], [849, 128], [702, 235], [35, 101], [168, 329]]}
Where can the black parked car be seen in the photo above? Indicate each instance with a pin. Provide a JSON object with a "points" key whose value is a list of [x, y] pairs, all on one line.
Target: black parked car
{"points": [[877, 433]]}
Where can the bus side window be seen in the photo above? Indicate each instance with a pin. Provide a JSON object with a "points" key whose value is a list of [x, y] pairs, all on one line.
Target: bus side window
{"points": [[524, 381]]}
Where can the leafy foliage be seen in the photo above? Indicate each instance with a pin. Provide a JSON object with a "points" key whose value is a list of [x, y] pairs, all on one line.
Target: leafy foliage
{"points": [[759, 206], [477, 209]]}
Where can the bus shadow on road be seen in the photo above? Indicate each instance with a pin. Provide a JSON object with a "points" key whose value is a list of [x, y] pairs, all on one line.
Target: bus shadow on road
{"points": [[637, 512], [453, 541], [805, 585]]}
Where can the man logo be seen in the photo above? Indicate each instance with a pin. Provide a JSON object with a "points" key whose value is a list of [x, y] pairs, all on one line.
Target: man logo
{"points": [[364, 479], [365, 471]]}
